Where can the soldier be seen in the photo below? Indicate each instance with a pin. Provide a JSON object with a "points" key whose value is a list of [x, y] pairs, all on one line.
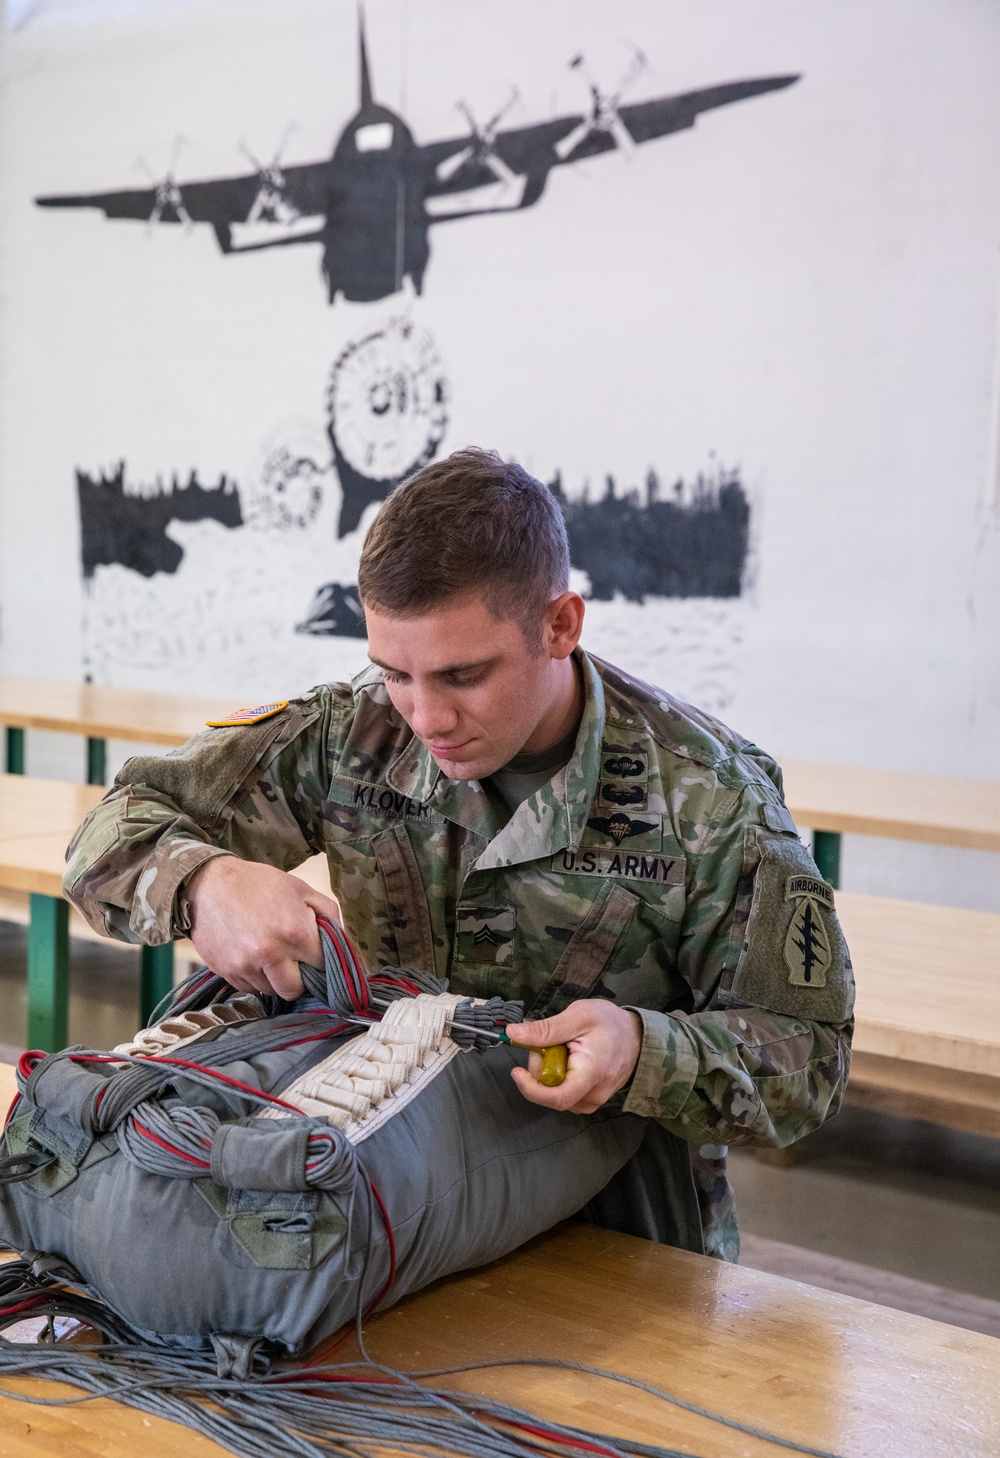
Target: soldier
{"points": [[500, 808]]}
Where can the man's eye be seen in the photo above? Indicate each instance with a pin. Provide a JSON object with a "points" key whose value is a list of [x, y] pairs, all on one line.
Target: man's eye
{"points": [[388, 677], [465, 680]]}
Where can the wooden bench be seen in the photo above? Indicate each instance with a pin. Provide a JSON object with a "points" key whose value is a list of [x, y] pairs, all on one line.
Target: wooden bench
{"points": [[927, 1043], [938, 809], [99, 713], [827, 1370], [37, 820]]}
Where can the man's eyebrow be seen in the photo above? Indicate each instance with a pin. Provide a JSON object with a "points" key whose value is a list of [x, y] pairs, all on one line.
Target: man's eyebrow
{"points": [[451, 667]]}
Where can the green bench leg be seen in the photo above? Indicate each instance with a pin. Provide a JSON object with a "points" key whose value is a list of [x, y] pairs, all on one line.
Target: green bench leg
{"points": [[97, 761], [157, 979], [826, 854], [48, 973], [15, 751]]}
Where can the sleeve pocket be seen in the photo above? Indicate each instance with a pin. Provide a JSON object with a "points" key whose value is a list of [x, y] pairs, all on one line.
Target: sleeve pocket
{"points": [[794, 958]]}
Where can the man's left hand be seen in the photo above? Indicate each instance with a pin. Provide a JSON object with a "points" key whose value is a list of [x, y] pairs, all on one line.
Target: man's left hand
{"points": [[604, 1042]]}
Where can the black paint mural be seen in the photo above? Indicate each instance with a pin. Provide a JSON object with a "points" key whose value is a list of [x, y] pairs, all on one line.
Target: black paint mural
{"points": [[386, 408], [335, 612], [371, 205], [685, 542], [130, 527]]}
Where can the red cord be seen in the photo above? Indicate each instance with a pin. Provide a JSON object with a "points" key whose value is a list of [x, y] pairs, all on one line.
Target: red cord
{"points": [[187, 1063], [551, 1437], [26, 1305], [170, 1148], [354, 977], [338, 1341], [27, 1061], [314, 1037]]}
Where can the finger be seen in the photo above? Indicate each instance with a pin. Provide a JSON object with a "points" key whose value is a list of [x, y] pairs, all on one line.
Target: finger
{"points": [[284, 978], [547, 1031], [323, 906], [535, 1092], [245, 979], [564, 1096], [320, 906]]}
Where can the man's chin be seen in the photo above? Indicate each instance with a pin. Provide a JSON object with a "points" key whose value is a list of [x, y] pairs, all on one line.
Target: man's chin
{"points": [[465, 769]]}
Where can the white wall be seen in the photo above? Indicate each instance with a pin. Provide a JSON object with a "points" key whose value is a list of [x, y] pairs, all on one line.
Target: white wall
{"points": [[804, 285]]}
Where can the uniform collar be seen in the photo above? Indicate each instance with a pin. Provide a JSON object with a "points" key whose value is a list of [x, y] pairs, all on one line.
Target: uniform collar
{"points": [[416, 773], [551, 820], [555, 817]]}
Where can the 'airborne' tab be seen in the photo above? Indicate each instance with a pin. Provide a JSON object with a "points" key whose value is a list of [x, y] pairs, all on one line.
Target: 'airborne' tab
{"points": [[808, 886]]}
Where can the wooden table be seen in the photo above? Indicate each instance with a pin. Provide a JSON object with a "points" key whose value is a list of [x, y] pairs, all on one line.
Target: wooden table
{"points": [[927, 1043], [100, 713], [37, 820], [826, 1370], [939, 809]]}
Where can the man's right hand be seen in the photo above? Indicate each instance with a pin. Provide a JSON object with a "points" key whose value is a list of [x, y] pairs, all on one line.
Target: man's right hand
{"points": [[253, 924]]}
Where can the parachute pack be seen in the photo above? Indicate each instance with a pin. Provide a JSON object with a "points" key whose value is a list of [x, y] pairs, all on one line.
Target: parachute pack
{"points": [[247, 1174]]}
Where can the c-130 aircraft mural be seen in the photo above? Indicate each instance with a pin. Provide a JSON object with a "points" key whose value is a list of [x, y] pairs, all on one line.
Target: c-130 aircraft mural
{"points": [[371, 204]]}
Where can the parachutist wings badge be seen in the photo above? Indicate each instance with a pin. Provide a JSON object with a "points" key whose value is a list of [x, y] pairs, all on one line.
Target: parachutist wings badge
{"points": [[620, 827]]}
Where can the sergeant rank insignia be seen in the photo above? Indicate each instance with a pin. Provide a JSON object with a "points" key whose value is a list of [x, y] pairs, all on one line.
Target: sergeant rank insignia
{"points": [[807, 946], [241, 717]]}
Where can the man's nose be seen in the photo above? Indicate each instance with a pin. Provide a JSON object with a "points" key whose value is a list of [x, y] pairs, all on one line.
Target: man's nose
{"points": [[432, 717]]}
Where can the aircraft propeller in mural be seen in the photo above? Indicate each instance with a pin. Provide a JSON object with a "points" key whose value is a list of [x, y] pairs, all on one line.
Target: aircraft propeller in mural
{"points": [[371, 204]]}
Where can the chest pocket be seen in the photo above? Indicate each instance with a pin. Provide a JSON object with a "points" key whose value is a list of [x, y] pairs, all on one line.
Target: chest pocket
{"points": [[405, 899], [377, 881], [588, 951]]}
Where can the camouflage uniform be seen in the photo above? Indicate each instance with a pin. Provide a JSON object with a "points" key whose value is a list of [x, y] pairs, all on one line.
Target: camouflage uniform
{"points": [[659, 868]]}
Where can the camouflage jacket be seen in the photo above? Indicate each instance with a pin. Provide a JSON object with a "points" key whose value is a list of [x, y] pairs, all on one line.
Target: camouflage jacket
{"points": [[659, 868]]}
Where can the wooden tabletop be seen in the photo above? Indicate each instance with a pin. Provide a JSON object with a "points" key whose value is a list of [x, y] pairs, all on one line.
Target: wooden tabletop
{"points": [[928, 981], [937, 808], [106, 713], [37, 819]]}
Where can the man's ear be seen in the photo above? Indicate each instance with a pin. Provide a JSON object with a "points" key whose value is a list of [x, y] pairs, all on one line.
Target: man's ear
{"points": [[563, 624]]}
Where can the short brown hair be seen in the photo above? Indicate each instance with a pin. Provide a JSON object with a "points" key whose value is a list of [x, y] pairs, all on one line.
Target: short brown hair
{"points": [[471, 524]]}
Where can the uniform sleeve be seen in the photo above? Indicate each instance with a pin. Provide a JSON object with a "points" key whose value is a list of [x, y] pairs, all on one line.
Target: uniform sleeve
{"points": [[256, 792], [763, 1056]]}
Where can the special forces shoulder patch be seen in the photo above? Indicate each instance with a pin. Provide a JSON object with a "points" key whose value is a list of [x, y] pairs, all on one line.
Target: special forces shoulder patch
{"points": [[793, 957], [808, 955], [240, 718]]}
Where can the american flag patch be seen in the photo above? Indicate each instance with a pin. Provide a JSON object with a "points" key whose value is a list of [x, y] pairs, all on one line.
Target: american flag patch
{"points": [[240, 717]]}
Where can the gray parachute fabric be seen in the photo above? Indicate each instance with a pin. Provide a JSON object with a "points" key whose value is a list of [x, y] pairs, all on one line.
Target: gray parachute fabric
{"points": [[202, 1211]]}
